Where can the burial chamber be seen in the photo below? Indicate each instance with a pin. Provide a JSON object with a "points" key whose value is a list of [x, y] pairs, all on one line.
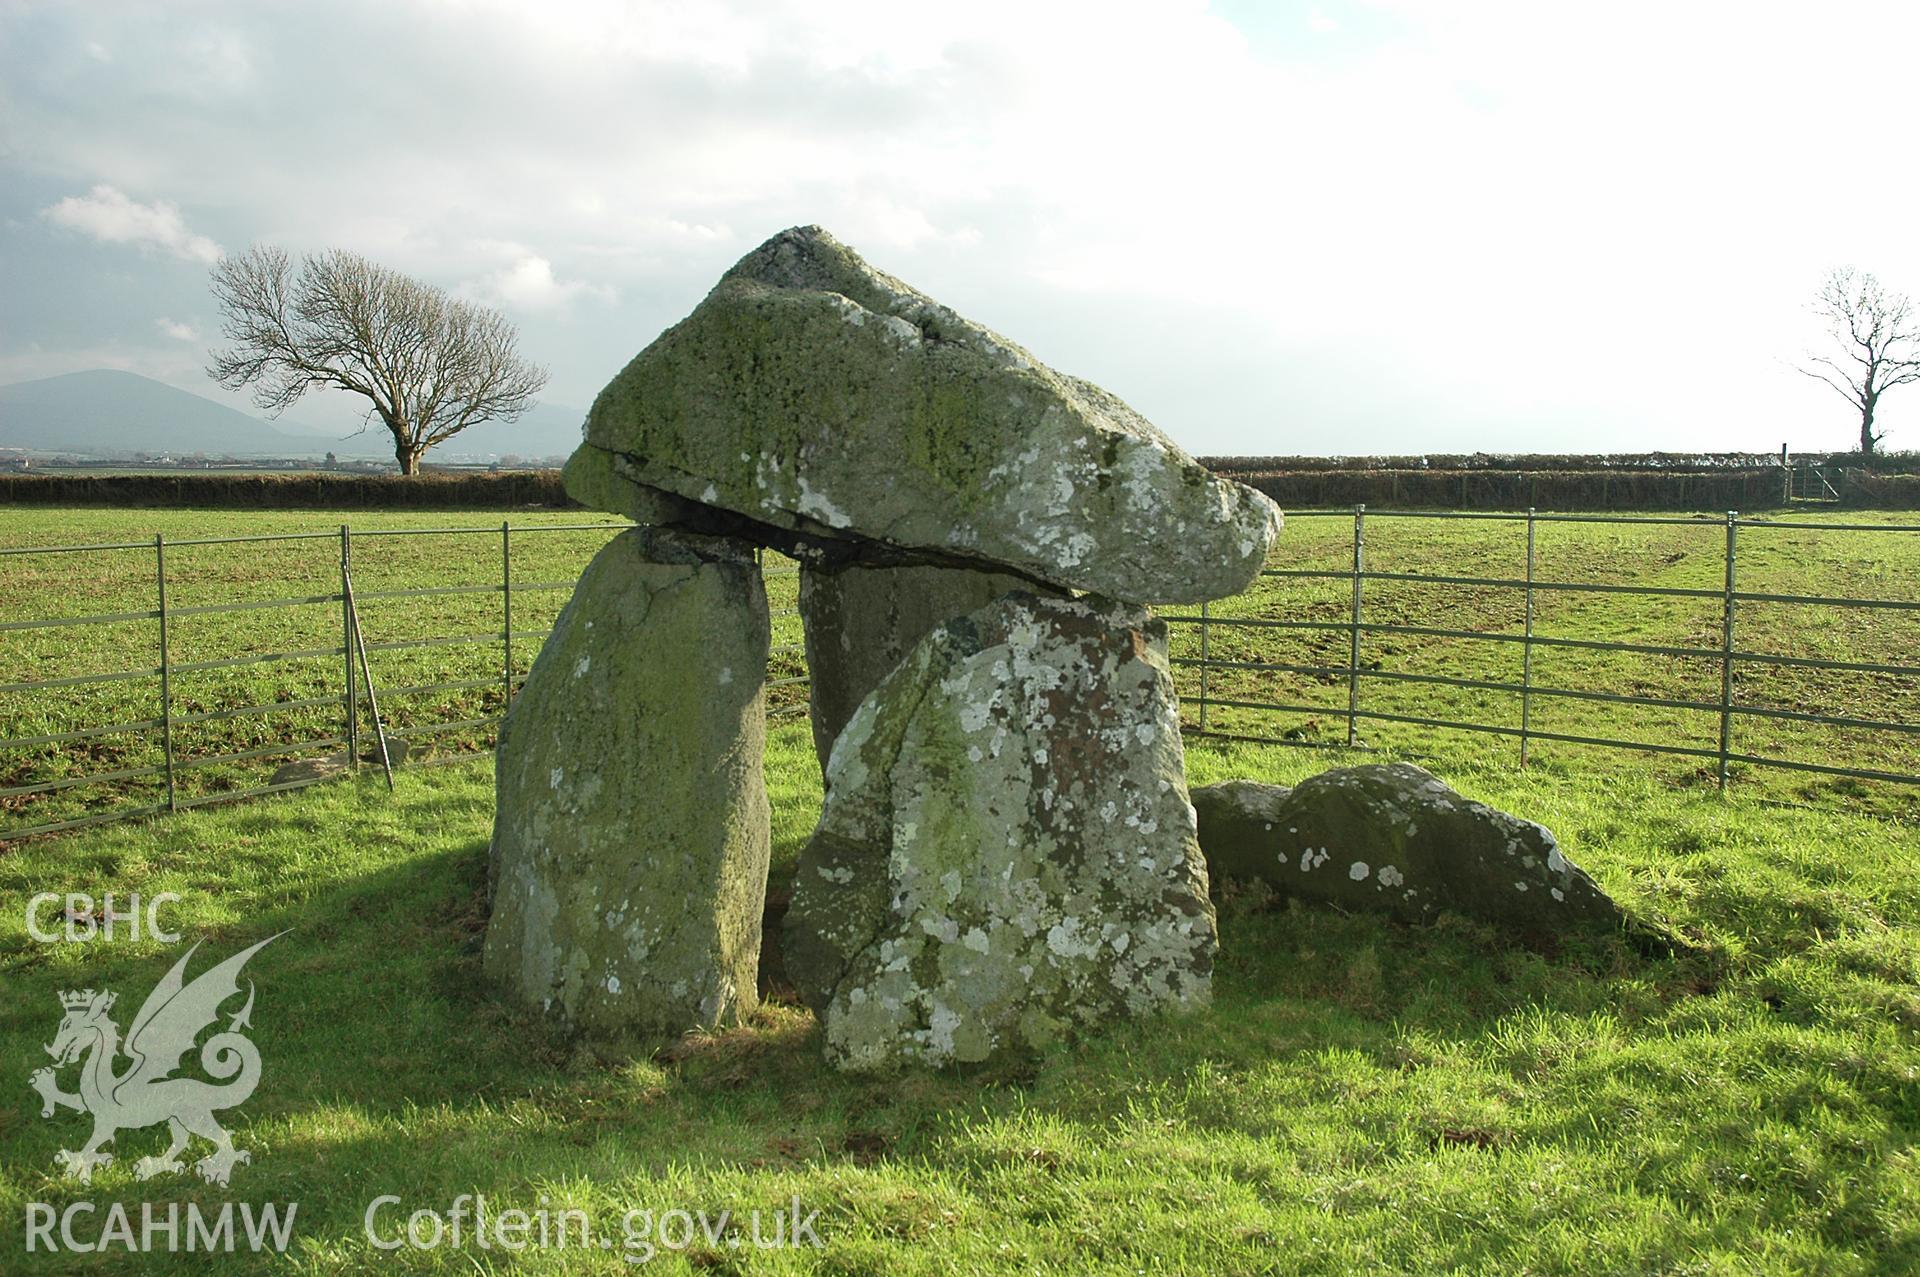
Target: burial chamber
{"points": [[1008, 850]]}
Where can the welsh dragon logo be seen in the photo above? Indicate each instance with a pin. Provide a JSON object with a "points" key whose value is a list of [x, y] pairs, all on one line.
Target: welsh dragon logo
{"points": [[146, 1092]]}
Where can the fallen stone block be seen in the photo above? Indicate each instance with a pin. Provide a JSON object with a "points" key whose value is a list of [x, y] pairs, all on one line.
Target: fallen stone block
{"points": [[1391, 838]]}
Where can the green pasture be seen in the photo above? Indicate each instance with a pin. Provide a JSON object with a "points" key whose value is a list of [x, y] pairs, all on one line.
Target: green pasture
{"points": [[1686, 555], [461, 623], [1361, 1097]]}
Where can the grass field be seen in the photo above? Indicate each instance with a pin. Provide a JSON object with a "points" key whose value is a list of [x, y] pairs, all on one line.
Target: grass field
{"points": [[208, 703], [1770, 560], [1362, 1096], [458, 629]]}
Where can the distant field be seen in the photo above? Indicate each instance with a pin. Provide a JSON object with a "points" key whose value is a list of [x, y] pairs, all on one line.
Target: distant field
{"points": [[545, 564], [1883, 565], [111, 469]]}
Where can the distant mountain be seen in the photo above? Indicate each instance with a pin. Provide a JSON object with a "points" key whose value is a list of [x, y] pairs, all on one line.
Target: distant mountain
{"points": [[108, 413]]}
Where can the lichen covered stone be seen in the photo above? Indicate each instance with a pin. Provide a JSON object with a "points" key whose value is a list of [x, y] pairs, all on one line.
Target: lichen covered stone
{"points": [[1391, 838], [631, 833], [1007, 853], [603, 481], [860, 623], [813, 392]]}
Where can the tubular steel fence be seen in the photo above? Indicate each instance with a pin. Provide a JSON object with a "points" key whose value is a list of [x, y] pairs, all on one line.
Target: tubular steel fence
{"points": [[1384, 659], [165, 716], [1727, 658]]}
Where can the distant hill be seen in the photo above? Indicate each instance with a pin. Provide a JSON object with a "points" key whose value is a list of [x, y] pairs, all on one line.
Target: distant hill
{"points": [[105, 412], [108, 413]]}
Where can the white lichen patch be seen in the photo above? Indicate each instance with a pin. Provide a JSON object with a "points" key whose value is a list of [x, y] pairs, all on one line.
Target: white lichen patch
{"points": [[1390, 876], [1065, 940], [815, 505], [1358, 871], [941, 1025]]}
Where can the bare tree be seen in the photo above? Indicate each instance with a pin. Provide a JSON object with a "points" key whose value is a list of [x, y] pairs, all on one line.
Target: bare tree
{"points": [[430, 366], [1879, 341]]}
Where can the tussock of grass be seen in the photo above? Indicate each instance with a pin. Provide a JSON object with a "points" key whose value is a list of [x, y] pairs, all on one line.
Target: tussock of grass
{"points": [[1361, 1095]]}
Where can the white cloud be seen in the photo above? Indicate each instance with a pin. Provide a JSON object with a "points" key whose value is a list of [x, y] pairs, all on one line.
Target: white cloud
{"points": [[1444, 226], [109, 216], [177, 330], [529, 283]]}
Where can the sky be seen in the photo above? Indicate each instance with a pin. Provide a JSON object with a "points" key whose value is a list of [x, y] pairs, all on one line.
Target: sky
{"points": [[1383, 226]]}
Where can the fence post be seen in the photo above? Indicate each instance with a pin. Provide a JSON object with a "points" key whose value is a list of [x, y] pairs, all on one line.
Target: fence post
{"points": [[1526, 654], [346, 648], [1205, 668], [166, 666], [1726, 653], [1353, 628], [506, 617]]}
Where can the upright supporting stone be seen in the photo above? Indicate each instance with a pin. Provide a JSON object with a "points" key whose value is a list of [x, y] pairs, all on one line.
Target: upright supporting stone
{"points": [[1007, 851], [630, 843], [861, 622]]}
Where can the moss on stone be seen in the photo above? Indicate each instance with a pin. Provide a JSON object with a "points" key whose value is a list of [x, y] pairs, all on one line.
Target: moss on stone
{"points": [[632, 827], [1008, 823], [1391, 838], [810, 387]]}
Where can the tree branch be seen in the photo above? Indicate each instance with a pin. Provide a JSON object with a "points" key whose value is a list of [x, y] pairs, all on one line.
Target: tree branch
{"points": [[428, 366]]}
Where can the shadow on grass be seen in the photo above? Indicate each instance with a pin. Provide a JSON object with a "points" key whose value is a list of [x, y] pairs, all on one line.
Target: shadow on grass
{"points": [[391, 1067], [376, 998]]}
